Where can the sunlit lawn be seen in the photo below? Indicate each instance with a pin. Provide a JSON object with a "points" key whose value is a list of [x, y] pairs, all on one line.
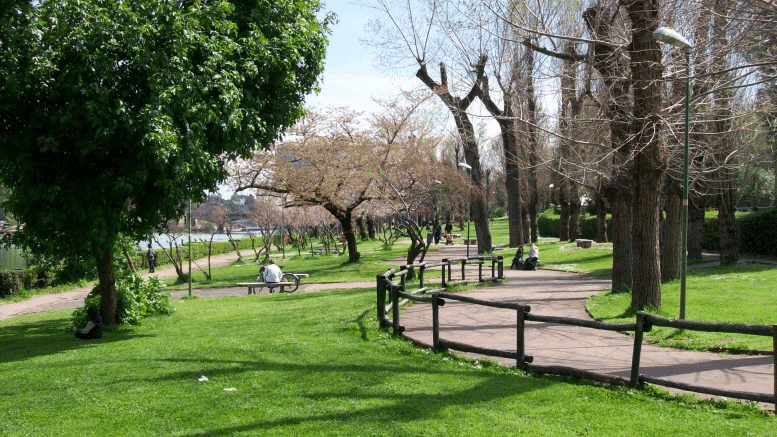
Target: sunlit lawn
{"points": [[306, 364], [739, 294]]}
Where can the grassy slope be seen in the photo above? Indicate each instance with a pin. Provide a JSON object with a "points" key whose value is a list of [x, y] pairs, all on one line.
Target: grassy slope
{"points": [[305, 364]]}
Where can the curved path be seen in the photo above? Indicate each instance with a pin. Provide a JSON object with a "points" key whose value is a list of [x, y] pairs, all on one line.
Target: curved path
{"points": [[75, 298], [554, 293], [549, 293]]}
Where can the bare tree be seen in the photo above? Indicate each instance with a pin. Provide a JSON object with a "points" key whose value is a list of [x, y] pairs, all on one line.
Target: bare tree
{"points": [[414, 30]]}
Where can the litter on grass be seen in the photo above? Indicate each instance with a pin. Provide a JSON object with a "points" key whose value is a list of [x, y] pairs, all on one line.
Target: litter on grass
{"points": [[203, 378]]}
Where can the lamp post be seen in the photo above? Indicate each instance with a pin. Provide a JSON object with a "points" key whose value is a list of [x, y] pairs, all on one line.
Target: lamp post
{"points": [[467, 167], [669, 36]]}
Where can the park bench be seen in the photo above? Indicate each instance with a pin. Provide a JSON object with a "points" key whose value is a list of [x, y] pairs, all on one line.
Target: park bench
{"points": [[289, 283]]}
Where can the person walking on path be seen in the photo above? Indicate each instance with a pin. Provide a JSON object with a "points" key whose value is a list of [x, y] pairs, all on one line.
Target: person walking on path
{"points": [[151, 257]]}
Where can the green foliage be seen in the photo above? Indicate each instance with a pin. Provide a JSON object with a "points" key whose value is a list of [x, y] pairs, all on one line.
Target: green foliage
{"points": [[755, 186], [138, 299], [116, 113], [737, 294], [10, 282], [548, 224], [757, 232]]}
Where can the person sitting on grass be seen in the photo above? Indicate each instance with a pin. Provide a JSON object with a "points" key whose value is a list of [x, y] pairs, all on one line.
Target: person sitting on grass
{"points": [[94, 327], [272, 273]]}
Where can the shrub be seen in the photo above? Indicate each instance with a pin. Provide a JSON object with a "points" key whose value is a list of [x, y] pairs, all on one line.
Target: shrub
{"points": [[137, 299], [10, 282], [757, 233], [79, 317]]}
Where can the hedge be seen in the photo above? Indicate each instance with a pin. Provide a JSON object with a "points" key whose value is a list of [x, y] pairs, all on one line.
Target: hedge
{"points": [[548, 224], [757, 231]]}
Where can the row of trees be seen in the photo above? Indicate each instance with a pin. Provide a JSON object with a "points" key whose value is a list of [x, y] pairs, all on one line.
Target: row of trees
{"points": [[618, 131]]}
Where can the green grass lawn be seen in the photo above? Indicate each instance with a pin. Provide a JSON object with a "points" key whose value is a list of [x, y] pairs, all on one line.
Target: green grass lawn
{"points": [[321, 268], [566, 256], [740, 294], [306, 364]]}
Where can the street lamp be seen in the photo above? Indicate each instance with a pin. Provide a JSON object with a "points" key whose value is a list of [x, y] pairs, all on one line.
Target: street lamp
{"points": [[669, 36], [467, 167]]}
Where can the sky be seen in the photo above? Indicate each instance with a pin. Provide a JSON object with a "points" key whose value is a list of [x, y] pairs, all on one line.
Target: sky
{"points": [[351, 74]]}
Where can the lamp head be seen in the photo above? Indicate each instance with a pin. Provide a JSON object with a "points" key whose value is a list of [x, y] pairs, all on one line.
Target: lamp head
{"points": [[670, 36]]}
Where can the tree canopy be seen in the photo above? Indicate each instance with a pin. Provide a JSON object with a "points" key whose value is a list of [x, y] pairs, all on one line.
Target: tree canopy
{"points": [[114, 114]]}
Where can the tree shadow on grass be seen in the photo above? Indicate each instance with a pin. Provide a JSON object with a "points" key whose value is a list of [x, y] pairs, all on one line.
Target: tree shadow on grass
{"points": [[24, 340], [396, 407]]}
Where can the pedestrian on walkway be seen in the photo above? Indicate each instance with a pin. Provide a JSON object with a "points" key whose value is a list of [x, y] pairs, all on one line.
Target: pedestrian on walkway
{"points": [[151, 257]]}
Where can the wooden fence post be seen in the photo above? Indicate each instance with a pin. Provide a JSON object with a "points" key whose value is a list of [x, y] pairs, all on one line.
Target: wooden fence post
{"points": [[450, 270], [463, 268], [480, 270], [421, 269], [774, 350], [381, 280], [444, 264], [435, 322], [637, 349], [501, 266], [395, 308], [520, 346]]}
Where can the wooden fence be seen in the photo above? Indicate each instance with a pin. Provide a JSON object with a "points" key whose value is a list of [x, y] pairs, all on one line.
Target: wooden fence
{"points": [[386, 281], [387, 288]]}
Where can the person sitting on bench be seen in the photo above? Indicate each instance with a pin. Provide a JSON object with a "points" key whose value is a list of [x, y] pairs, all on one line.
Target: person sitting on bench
{"points": [[533, 259], [272, 273]]}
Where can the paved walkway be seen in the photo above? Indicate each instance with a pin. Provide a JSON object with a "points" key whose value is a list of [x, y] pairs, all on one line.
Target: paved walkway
{"points": [[75, 298], [548, 293], [564, 294]]}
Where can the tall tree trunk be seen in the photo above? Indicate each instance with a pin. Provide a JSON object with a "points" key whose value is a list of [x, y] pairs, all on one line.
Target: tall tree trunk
{"points": [[565, 127], [345, 218], [370, 227], [614, 71], [534, 146], [574, 211], [729, 238], [514, 201], [106, 275], [601, 217], [671, 241], [507, 122], [458, 108], [622, 241], [563, 205], [649, 159], [695, 225]]}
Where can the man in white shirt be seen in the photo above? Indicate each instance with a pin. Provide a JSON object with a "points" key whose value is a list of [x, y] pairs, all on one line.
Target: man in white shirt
{"points": [[272, 273]]}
